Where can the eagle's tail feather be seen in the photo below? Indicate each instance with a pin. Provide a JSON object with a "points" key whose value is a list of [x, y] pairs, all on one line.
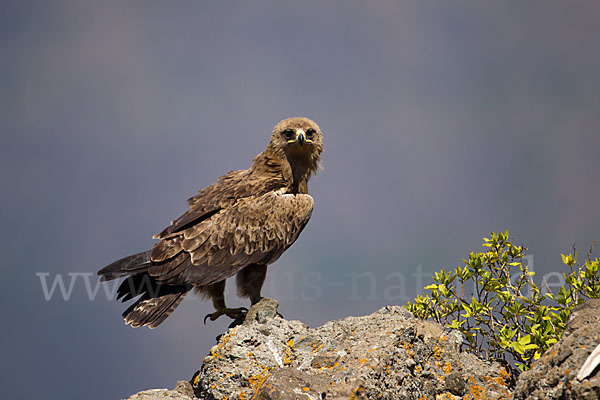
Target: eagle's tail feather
{"points": [[152, 311], [132, 264], [156, 303]]}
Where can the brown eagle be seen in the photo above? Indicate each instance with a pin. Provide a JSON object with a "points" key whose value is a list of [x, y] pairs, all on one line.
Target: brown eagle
{"points": [[238, 225]]}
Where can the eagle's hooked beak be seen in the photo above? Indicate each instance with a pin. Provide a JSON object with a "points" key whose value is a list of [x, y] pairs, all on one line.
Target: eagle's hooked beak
{"points": [[300, 138]]}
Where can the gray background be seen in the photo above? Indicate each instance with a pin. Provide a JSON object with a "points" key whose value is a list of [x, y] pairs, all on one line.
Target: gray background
{"points": [[442, 121]]}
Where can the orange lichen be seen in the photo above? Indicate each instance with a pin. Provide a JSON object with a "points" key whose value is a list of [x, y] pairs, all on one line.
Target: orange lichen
{"points": [[225, 377], [354, 393], [256, 381], [404, 345], [214, 351], [446, 396], [325, 363], [387, 369], [500, 381], [447, 368], [477, 391], [438, 352], [316, 346], [287, 360]]}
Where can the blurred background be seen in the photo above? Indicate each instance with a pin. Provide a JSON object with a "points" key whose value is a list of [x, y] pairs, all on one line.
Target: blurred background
{"points": [[442, 122]]}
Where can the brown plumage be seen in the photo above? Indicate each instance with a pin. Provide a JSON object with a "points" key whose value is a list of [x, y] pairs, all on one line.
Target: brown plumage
{"points": [[240, 224]]}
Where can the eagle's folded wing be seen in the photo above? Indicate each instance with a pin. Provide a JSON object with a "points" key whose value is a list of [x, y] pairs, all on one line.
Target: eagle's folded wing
{"points": [[222, 195], [256, 229]]}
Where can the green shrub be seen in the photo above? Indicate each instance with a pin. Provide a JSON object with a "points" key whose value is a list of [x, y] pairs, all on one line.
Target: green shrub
{"points": [[504, 315]]}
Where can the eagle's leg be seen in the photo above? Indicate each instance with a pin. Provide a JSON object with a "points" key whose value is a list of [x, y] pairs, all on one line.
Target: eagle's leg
{"points": [[216, 292], [250, 281]]}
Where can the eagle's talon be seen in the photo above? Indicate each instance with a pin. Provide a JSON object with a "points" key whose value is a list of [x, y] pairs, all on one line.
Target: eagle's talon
{"points": [[233, 313]]}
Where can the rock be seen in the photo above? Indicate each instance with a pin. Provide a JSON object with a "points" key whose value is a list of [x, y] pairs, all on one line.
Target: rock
{"points": [[185, 388], [386, 355], [456, 383], [553, 376], [292, 384], [183, 391]]}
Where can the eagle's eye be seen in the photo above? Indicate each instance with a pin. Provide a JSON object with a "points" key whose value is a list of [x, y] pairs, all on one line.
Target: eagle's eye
{"points": [[310, 133], [288, 134]]}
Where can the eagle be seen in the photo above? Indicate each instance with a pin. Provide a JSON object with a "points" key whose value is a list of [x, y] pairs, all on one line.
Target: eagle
{"points": [[237, 226]]}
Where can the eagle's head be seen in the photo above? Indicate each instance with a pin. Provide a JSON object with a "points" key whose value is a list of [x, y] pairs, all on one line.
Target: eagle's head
{"points": [[299, 139]]}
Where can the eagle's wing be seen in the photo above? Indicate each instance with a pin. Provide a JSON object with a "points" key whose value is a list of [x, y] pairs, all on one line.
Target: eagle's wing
{"points": [[253, 229], [222, 195]]}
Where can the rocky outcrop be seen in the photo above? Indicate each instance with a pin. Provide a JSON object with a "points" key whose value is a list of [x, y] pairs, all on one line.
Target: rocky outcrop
{"points": [[386, 355], [554, 375], [182, 391]]}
